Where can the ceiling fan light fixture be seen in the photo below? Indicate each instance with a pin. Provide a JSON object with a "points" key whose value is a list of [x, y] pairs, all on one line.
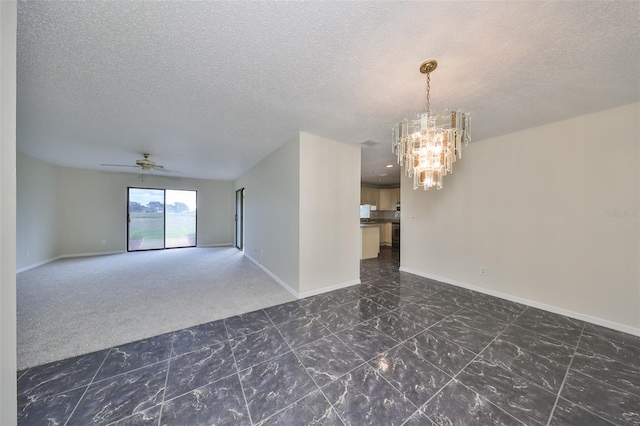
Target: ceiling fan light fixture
{"points": [[427, 147], [145, 165]]}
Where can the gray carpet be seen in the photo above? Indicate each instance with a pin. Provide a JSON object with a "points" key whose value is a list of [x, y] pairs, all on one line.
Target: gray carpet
{"points": [[75, 306]]}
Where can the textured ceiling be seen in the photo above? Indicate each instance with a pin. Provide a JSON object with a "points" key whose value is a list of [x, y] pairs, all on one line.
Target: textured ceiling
{"points": [[211, 88]]}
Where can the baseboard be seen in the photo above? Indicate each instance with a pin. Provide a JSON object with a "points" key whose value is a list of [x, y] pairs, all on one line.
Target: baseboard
{"points": [[550, 308], [304, 294], [35, 265], [328, 289], [63, 256], [275, 277], [99, 253]]}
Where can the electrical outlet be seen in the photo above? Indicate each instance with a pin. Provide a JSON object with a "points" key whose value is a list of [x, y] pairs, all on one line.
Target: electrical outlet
{"points": [[103, 242], [26, 253], [483, 270]]}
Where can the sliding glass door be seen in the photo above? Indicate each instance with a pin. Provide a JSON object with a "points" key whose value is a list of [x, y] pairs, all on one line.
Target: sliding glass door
{"points": [[159, 218], [146, 219], [180, 218]]}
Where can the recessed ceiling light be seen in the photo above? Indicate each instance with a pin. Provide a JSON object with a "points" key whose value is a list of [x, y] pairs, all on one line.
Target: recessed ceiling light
{"points": [[389, 166], [369, 142]]}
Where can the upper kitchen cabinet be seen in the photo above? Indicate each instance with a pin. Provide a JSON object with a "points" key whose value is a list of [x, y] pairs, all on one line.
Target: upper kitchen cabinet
{"points": [[389, 199], [369, 196], [395, 198]]}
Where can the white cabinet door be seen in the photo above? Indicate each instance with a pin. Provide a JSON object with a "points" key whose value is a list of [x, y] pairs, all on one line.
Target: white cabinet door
{"points": [[370, 241], [395, 198], [385, 234], [385, 200], [369, 196]]}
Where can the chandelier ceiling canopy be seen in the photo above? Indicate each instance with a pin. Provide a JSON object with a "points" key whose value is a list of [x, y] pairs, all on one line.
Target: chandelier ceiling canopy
{"points": [[428, 146]]}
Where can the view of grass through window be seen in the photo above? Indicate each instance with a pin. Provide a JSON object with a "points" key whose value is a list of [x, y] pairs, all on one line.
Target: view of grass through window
{"points": [[161, 218]]}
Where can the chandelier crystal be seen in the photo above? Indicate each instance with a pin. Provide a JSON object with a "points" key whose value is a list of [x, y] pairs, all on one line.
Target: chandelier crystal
{"points": [[427, 147]]}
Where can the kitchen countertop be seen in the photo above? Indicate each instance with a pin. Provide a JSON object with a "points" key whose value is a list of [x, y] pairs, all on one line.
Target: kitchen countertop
{"points": [[380, 221]]}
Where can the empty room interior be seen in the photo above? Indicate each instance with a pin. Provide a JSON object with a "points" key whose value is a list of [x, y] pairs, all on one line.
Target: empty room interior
{"points": [[336, 213]]}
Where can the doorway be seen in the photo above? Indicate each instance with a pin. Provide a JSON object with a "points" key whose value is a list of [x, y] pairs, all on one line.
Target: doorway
{"points": [[160, 218], [239, 218]]}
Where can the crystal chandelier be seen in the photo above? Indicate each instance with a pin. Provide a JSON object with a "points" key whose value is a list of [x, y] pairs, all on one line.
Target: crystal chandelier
{"points": [[428, 146]]}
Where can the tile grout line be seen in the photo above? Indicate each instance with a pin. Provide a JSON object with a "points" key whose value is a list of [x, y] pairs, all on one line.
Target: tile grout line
{"points": [[603, 384], [625, 363], [235, 361], [88, 386], [364, 363], [398, 344], [548, 337], [526, 350], [463, 368], [313, 316], [306, 371], [166, 379], [566, 374], [619, 389]]}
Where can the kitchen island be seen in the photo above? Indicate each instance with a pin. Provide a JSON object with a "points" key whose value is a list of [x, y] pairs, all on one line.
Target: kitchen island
{"points": [[370, 240]]}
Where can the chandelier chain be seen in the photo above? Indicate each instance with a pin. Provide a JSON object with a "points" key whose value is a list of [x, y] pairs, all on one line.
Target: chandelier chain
{"points": [[428, 96]]}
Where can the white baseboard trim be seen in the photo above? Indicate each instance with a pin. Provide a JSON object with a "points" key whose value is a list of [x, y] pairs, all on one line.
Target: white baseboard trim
{"points": [[272, 275], [328, 289], [35, 265], [555, 309], [304, 294], [99, 253], [63, 256]]}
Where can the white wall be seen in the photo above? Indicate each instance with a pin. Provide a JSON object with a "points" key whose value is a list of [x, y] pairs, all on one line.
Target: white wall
{"points": [[302, 216], [91, 207], [535, 208], [8, 390], [329, 214], [272, 210], [37, 204]]}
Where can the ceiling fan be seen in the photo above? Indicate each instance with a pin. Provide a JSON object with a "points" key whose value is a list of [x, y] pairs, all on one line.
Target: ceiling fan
{"points": [[145, 165]]}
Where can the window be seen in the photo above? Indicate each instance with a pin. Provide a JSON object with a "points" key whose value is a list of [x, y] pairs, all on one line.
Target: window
{"points": [[161, 218]]}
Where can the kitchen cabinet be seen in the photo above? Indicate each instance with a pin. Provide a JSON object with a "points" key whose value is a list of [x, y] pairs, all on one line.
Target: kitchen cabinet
{"points": [[385, 199], [395, 198], [385, 234], [389, 199], [369, 196], [370, 241]]}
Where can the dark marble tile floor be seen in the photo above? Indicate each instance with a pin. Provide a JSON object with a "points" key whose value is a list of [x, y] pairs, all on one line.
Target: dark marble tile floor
{"points": [[397, 349]]}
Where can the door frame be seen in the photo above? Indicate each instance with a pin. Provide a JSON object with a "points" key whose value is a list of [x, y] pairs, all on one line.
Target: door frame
{"points": [[239, 219], [164, 218]]}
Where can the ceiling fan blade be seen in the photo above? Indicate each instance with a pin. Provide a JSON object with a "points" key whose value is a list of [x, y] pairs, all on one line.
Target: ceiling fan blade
{"points": [[162, 169], [117, 165]]}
